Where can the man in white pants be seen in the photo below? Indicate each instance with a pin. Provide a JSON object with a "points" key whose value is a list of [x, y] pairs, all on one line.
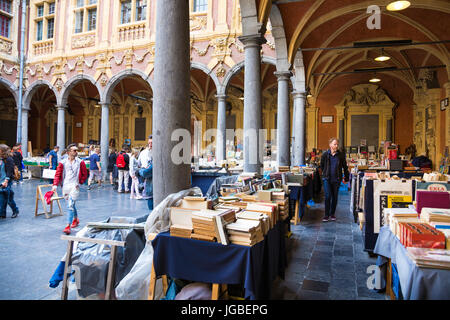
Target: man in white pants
{"points": [[123, 166]]}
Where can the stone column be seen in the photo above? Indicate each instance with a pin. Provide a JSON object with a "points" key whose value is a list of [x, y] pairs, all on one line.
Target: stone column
{"points": [[299, 144], [61, 132], [104, 139], [24, 139], [171, 102], [221, 127], [283, 119], [253, 145]]}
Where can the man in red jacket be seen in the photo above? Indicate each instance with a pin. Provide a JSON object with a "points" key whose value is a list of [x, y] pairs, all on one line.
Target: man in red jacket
{"points": [[70, 173]]}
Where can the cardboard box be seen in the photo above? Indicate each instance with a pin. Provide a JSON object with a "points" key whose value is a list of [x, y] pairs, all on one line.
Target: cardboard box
{"points": [[264, 195]]}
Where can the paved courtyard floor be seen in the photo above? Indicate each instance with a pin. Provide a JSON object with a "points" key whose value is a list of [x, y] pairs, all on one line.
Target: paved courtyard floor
{"points": [[325, 260]]}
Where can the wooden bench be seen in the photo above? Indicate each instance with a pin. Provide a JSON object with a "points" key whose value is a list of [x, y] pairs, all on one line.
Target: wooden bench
{"points": [[40, 197]]}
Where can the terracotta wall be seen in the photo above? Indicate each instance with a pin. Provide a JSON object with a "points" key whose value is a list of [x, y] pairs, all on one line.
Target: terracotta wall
{"points": [[398, 91]]}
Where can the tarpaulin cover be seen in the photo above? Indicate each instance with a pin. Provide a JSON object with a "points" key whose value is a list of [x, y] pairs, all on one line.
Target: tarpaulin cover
{"points": [[91, 260], [135, 285], [213, 191]]}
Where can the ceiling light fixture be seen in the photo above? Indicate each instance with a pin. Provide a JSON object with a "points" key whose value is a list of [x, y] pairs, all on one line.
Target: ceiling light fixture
{"points": [[382, 57], [375, 79], [398, 5]]}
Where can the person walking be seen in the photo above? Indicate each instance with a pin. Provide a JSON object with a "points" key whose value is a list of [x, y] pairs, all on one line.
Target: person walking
{"points": [[95, 169], [145, 162], [333, 166], [111, 165], [6, 178], [53, 160], [134, 167], [17, 157], [123, 165], [70, 174]]}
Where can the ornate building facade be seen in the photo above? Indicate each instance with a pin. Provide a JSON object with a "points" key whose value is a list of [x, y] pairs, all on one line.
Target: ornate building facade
{"points": [[89, 72]]}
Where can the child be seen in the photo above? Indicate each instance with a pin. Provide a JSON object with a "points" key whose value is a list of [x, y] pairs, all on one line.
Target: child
{"points": [[134, 167]]}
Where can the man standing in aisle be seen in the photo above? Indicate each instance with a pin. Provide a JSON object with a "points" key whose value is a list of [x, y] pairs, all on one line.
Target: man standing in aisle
{"points": [[71, 173], [95, 170], [333, 166], [146, 172]]}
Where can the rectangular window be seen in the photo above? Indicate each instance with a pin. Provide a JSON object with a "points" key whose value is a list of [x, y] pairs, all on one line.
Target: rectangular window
{"points": [[5, 5], [80, 3], [139, 129], [92, 19], [141, 8], [79, 21], [51, 8], [39, 25], [92, 1], [4, 26], [125, 12], [50, 28], [200, 5], [40, 11]]}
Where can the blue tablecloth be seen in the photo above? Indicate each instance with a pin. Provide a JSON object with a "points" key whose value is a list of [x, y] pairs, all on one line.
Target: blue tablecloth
{"points": [[416, 283], [211, 262]]}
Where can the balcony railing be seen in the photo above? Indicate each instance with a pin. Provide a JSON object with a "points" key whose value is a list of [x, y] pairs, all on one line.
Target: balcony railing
{"points": [[131, 32], [43, 47]]}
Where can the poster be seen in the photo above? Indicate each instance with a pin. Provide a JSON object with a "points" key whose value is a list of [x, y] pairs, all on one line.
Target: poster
{"points": [[386, 194]]}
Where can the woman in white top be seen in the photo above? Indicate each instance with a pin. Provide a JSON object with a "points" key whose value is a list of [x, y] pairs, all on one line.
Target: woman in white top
{"points": [[134, 167]]}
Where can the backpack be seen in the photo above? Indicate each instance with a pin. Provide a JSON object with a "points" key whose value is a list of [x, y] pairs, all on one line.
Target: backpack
{"points": [[120, 162], [16, 173]]}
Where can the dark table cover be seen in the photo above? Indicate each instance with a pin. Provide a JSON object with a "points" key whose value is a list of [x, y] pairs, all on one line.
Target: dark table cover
{"points": [[416, 283], [211, 262]]}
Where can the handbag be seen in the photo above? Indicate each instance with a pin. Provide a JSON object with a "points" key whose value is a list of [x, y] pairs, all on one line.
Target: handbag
{"points": [[48, 174]]}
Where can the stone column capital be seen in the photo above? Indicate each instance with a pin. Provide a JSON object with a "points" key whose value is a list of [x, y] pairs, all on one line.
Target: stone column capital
{"points": [[298, 94], [253, 40], [61, 107], [283, 75], [221, 97]]}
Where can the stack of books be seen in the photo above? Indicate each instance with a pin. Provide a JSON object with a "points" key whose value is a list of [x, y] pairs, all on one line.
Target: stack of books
{"points": [[435, 216], [283, 208], [393, 216], [430, 258], [196, 203], [209, 225], [271, 209], [180, 231], [256, 216], [421, 235], [245, 232], [180, 222], [231, 189]]}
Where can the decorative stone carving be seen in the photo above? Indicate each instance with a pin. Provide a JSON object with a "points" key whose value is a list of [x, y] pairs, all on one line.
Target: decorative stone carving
{"points": [[220, 71], [5, 46], [59, 84], [83, 41], [197, 23], [103, 79], [366, 95]]}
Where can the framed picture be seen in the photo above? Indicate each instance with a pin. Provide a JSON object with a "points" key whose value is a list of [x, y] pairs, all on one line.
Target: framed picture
{"points": [[327, 119], [444, 104], [78, 124]]}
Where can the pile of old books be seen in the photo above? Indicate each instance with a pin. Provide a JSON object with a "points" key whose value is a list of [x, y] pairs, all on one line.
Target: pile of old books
{"points": [[231, 189], [181, 223], [435, 216], [245, 232], [209, 225], [430, 258], [256, 216], [421, 235], [393, 216], [283, 203]]}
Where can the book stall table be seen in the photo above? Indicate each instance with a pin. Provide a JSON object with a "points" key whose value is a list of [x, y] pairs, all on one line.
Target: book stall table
{"points": [[365, 196], [254, 267], [416, 283]]}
